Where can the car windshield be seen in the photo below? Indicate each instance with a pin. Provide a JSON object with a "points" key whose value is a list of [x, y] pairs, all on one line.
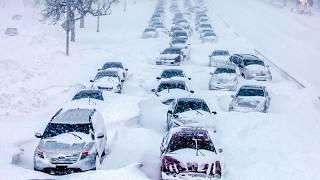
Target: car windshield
{"points": [[170, 74], [171, 51], [149, 30], [250, 92], [112, 65], [93, 94], [224, 70], [179, 41], [209, 34], [106, 74], [220, 53], [55, 129], [248, 62], [205, 25], [192, 142], [171, 85], [191, 105], [180, 34]]}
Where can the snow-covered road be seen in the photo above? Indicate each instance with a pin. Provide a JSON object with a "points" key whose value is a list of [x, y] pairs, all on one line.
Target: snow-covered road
{"points": [[281, 144]]}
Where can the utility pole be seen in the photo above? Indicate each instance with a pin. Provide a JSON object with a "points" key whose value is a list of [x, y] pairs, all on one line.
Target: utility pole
{"points": [[125, 6], [98, 18], [68, 27]]}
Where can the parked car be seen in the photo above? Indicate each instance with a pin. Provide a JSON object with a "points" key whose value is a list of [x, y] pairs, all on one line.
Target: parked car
{"points": [[208, 37], [175, 29], [180, 35], [108, 80], [218, 58], [180, 43], [169, 90], [150, 33], [73, 141], [224, 77], [188, 111], [117, 66], [11, 32], [251, 67], [251, 98], [170, 56], [188, 153], [177, 74]]}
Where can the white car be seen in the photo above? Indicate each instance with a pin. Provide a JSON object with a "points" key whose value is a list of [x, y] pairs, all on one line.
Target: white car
{"points": [[208, 37], [191, 112], [150, 33], [73, 141], [190, 153], [117, 66], [224, 77], [87, 98], [176, 74], [169, 90], [218, 58], [108, 80], [171, 56]]}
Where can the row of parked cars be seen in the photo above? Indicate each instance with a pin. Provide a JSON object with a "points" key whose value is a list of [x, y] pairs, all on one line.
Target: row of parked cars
{"points": [[75, 138], [188, 149]]}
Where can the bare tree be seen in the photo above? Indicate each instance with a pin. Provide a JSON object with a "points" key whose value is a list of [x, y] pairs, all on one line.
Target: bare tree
{"points": [[101, 8]]}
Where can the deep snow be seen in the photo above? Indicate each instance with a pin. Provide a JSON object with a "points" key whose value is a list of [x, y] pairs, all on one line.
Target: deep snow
{"points": [[37, 79]]}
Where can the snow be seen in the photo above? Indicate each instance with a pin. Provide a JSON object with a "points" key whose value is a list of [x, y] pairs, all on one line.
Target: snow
{"points": [[37, 79]]}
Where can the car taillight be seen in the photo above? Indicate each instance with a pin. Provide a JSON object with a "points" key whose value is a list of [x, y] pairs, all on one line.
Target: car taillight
{"points": [[170, 164], [84, 154], [40, 154], [217, 172]]}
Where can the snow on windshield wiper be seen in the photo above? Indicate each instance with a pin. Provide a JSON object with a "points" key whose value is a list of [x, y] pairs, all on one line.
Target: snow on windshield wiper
{"points": [[198, 112], [75, 135], [197, 148]]}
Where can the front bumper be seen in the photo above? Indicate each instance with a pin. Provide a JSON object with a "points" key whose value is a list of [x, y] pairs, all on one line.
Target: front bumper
{"points": [[260, 77], [187, 175], [44, 165], [223, 86]]}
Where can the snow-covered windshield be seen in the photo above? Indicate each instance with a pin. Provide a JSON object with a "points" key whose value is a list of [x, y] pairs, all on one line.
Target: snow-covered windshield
{"points": [[102, 74], [224, 70], [171, 51], [205, 25], [149, 30], [171, 85], [112, 65], [220, 53], [251, 92], [54, 129], [179, 41], [248, 62], [189, 105], [180, 34], [93, 94], [182, 142], [172, 73]]}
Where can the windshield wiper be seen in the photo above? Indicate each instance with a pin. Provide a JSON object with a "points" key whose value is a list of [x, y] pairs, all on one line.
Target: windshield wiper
{"points": [[75, 135], [198, 112], [197, 148]]}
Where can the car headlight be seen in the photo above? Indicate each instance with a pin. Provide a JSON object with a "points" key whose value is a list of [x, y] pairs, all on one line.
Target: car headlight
{"points": [[39, 153]]}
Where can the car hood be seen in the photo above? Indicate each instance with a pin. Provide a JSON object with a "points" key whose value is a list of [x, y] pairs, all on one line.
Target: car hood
{"points": [[195, 119], [256, 68], [172, 94], [222, 59], [106, 82], [178, 45], [65, 143], [250, 102], [169, 56], [225, 77]]}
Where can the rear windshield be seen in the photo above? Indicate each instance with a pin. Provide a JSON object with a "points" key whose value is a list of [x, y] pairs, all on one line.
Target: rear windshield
{"points": [[251, 92]]}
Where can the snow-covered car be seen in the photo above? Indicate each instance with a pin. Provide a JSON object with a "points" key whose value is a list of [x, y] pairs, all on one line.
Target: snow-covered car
{"points": [[160, 28], [189, 153], [87, 98], [180, 35], [224, 77], [191, 112], [251, 98], [170, 56], [251, 67], [150, 33], [108, 80], [169, 90], [208, 37], [175, 29], [202, 27], [117, 66], [73, 141], [177, 74], [180, 43], [219, 57], [11, 32]]}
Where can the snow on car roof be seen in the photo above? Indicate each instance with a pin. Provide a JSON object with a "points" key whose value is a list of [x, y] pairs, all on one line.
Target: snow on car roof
{"points": [[74, 116], [173, 70], [190, 99], [252, 87]]}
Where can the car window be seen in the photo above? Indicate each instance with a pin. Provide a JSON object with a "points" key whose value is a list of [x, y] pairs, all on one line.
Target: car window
{"points": [[189, 142], [171, 85], [250, 92], [54, 129], [191, 105], [88, 94]]}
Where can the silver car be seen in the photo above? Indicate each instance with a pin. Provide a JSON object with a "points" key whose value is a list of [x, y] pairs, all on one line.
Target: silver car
{"points": [[73, 141], [251, 98], [224, 77], [251, 67]]}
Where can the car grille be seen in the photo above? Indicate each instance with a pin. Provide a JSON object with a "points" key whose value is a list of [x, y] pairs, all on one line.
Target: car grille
{"points": [[55, 158]]}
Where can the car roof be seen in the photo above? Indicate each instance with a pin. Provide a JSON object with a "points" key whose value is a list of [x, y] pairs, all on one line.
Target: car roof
{"points": [[90, 91], [74, 116], [188, 99], [226, 66], [248, 56], [190, 131], [172, 70], [172, 81], [252, 87]]}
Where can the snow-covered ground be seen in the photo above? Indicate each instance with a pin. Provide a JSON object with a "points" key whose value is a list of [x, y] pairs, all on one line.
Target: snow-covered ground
{"points": [[37, 79]]}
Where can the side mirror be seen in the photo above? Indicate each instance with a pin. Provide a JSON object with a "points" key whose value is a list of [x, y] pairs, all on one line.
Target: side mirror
{"points": [[92, 136], [191, 91], [162, 149], [122, 80], [99, 69], [220, 150], [91, 81], [214, 112], [233, 96], [38, 135], [158, 78], [189, 78], [169, 111], [126, 69], [153, 90], [100, 135]]}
